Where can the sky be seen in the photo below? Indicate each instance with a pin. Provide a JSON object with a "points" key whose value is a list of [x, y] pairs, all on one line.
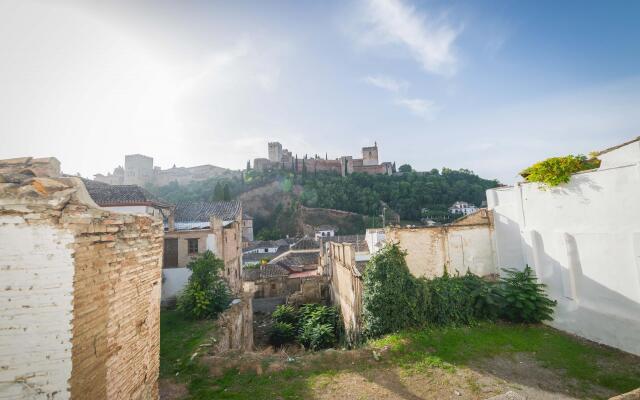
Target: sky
{"points": [[490, 86]]}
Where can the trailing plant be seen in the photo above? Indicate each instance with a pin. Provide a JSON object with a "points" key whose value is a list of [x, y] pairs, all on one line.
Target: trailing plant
{"points": [[206, 294], [557, 170], [523, 298], [282, 333], [392, 298]]}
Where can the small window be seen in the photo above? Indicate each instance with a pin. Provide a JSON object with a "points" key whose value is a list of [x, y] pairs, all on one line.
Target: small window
{"points": [[266, 250], [192, 246]]}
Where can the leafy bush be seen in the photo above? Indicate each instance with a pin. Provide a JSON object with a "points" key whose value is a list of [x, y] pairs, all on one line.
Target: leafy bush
{"points": [[319, 326], [282, 333], [315, 326], [206, 294], [392, 298], [557, 170], [524, 299], [285, 313], [317, 336]]}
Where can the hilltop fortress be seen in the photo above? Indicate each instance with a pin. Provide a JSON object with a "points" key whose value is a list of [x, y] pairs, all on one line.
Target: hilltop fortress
{"points": [[284, 159], [139, 170]]}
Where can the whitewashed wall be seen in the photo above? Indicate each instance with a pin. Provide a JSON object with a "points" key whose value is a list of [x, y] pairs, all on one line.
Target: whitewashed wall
{"points": [[460, 248], [36, 274], [583, 239], [173, 281]]}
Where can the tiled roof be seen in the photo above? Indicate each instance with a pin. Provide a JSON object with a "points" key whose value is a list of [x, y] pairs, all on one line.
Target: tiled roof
{"points": [[360, 266], [104, 194], [193, 211], [259, 244], [264, 272], [359, 242], [299, 260], [305, 244], [257, 257]]}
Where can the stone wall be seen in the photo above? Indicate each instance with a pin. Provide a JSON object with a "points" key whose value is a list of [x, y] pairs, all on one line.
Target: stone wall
{"points": [[346, 288], [464, 245], [235, 327], [80, 309]]}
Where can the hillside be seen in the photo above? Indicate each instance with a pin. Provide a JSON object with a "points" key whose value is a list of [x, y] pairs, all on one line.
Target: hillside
{"points": [[274, 198]]}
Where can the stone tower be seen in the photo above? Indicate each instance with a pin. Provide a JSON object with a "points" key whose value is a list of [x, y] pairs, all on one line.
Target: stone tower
{"points": [[370, 155], [275, 152], [138, 169]]}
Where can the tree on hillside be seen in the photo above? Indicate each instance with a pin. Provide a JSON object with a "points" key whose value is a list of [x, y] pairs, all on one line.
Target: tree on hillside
{"points": [[405, 168]]}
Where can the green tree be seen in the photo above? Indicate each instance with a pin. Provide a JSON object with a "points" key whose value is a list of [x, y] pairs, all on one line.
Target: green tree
{"points": [[206, 294], [405, 168]]}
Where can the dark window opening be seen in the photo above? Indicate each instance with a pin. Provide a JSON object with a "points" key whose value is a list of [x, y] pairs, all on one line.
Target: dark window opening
{"points": [[192, 246]]}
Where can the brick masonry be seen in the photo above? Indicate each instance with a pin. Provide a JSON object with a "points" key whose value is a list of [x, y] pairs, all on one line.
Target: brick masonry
{"points": [[80, 297]]}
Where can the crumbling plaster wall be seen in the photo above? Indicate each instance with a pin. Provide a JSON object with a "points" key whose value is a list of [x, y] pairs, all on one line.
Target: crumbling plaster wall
{"points": [[466, 245], [36, 271], [235, 326], [87, 282]]}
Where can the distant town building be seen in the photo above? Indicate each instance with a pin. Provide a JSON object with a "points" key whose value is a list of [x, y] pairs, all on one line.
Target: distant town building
{"points": [[127, 198], [192, 229], [462, 207], [324, 231], [284, 159], [139, 170]]}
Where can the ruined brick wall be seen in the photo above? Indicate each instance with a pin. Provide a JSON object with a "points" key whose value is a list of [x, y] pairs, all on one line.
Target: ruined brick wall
{"points": [[346, 288], [235, 327], [87, 282]]}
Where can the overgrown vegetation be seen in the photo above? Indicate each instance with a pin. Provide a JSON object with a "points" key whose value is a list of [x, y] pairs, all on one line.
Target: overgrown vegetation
{"points": [[206, 294], [558, 170], [394, 300], [315, 326], [576, 363]]}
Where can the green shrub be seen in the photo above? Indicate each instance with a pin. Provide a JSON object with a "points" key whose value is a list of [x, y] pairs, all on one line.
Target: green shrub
{"points": [[285, 313], [318, 326], [282, 333], [557, 170], [392, 298], [523, 298], [206, 294], [317, 336]]}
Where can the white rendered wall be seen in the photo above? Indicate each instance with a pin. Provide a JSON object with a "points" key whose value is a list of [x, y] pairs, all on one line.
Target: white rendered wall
{"points": [[36, 273], [173, 281], [583, 240]]}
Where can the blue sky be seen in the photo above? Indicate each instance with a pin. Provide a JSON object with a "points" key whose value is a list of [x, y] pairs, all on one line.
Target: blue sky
{"points": [[487, 86]]}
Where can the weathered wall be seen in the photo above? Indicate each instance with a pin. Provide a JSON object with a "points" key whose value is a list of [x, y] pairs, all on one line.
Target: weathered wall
{"points": [[583, 239], [104, 265], [346, 287], [36, 271], [235, 327], [466, 245], [173, 281]]}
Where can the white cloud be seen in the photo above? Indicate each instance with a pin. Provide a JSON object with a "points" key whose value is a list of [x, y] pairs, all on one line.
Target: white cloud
{"points": [[420, 107], [386, 83], [430, 40]]}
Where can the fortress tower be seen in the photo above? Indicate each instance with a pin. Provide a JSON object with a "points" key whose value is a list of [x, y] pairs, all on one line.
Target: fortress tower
{"points": [[275, 152], [370, 155], [138, 169]]}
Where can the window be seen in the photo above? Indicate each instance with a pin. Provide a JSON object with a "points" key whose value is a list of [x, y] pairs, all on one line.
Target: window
{"points": [[266, 250], [192, 246]]}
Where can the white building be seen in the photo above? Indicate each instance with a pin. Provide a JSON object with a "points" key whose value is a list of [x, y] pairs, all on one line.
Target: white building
{"points": [[583, 241], [462, 207], [324, 231]]}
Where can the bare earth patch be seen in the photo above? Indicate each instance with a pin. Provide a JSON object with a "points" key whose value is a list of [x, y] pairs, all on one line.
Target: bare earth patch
{"points": [[170, 390]]}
